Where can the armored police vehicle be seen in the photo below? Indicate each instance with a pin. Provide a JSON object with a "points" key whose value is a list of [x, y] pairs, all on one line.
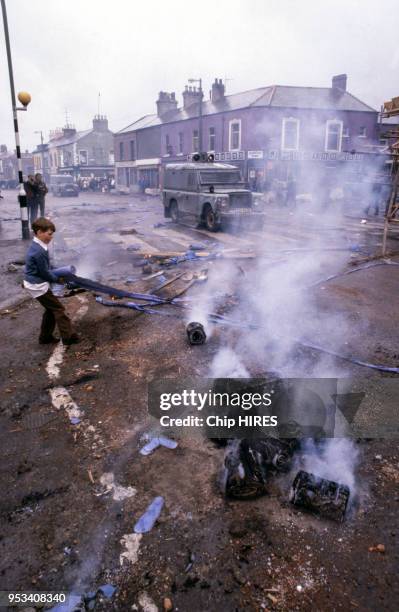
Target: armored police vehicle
{"points": [[207, 193]]}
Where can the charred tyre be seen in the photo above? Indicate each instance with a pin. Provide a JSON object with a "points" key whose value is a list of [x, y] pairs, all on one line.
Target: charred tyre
{"points": [[210, 219], [174, 211]]}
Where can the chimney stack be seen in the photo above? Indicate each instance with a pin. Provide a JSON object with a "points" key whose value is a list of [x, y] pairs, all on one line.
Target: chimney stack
{"points": [[339, 83], [191, 95], [217, 90], [166, 102], [100, 123]]}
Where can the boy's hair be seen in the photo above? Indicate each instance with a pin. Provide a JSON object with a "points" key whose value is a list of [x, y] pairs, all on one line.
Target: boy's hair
{"points": [[43, 224]]}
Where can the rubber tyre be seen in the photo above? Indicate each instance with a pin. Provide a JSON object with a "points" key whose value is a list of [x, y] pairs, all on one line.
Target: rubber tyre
{"points": [[174, 212], [210, 220]]}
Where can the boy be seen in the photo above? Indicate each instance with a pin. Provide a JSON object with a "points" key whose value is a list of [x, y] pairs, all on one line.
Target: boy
{"points": [[38, 277]]}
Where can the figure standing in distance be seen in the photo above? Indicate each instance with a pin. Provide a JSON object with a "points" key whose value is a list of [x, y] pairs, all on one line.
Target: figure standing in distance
{"points": [[30, 187], [41, 192]]}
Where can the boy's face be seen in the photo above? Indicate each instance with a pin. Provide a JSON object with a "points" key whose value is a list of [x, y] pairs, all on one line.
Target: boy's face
{"points": [[46, 236]]}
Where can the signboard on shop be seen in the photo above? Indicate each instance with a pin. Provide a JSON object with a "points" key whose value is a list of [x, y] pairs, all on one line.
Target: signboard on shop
{"points": [[255, 154], [314, 156]]}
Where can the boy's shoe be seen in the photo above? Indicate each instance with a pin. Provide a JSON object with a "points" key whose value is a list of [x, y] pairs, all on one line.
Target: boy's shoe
{"points": [[50, 340], [73, 339]]}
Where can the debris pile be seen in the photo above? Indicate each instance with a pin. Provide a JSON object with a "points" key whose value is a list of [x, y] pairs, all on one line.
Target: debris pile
{"points": [[324, 497]]}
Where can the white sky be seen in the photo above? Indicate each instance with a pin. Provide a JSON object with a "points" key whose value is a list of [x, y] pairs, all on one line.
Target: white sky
{"points": [[66, 51]]}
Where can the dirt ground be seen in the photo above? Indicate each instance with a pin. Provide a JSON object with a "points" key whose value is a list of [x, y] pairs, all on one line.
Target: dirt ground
{"points": [[63, 530]]}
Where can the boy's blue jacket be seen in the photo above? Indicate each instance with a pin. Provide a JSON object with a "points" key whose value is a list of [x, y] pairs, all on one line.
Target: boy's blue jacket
{"points": [[37, 265]]}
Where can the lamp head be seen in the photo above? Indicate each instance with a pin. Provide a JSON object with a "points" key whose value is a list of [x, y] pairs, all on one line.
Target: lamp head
{"points": [[24, 97]]}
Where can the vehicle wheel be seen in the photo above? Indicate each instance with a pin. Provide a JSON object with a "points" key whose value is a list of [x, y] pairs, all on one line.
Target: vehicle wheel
{"points": [[210, 219], [174, 211]]}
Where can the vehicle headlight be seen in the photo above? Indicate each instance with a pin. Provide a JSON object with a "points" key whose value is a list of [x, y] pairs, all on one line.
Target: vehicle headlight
{"points": [[222, 202]]}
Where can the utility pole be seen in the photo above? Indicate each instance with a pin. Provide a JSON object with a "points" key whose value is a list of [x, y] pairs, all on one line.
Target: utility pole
{"points": [[24, 98]]}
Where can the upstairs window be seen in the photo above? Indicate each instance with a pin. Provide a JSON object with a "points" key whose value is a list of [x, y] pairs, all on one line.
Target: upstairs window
{"points": [[362, 132], [121, 151], [195, 141], [181, 142], [168, 146], [345, 132], [212, 137], [235, 135], [333, 136], [290, 138], [132, 150]]}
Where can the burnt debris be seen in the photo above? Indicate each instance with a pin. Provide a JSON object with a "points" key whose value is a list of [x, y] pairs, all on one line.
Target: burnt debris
{"points": [[326, 498], [196, 333], [248, 466]]}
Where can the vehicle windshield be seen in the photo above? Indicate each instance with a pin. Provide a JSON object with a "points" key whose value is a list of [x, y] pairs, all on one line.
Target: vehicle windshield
{"points": [[223, 177]]}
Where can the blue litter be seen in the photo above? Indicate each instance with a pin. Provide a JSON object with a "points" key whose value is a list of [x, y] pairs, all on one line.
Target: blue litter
{"points": [[74, 420], [107, 590], [147, 520], [155, 442], [150, 446]]}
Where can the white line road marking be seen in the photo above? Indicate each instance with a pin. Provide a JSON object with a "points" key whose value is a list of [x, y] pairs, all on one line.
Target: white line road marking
{"points": [[55, 361]]}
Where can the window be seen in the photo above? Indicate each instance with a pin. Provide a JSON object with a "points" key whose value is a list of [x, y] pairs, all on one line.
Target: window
{"points": [[181, 142], [211, 139], [83, 158], [345, 132], [333, 135], [290, 137], [362, 132], [132, 150], [121, 151], [168, 146], [195, 141], [235, 135]]}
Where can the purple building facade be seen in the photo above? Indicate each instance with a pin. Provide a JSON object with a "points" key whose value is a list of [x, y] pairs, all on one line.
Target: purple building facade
{"points": [[310, 133]]}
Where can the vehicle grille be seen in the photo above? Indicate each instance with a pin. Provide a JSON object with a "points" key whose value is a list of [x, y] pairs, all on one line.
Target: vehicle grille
{"points": [[240, 200]]}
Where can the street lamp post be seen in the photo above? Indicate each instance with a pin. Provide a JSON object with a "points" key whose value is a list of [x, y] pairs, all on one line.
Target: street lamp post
{"points": [[199, 112], [24, 98]]}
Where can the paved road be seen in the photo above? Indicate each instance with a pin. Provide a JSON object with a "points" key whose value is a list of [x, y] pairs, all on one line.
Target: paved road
{"points": [[72, 492]]}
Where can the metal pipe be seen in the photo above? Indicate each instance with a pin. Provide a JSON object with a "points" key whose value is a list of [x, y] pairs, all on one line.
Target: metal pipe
{"points": [[23, 205]]}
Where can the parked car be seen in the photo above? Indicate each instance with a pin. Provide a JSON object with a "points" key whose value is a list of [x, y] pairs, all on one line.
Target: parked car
{"points": [[63, 185], [208, 193]]}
